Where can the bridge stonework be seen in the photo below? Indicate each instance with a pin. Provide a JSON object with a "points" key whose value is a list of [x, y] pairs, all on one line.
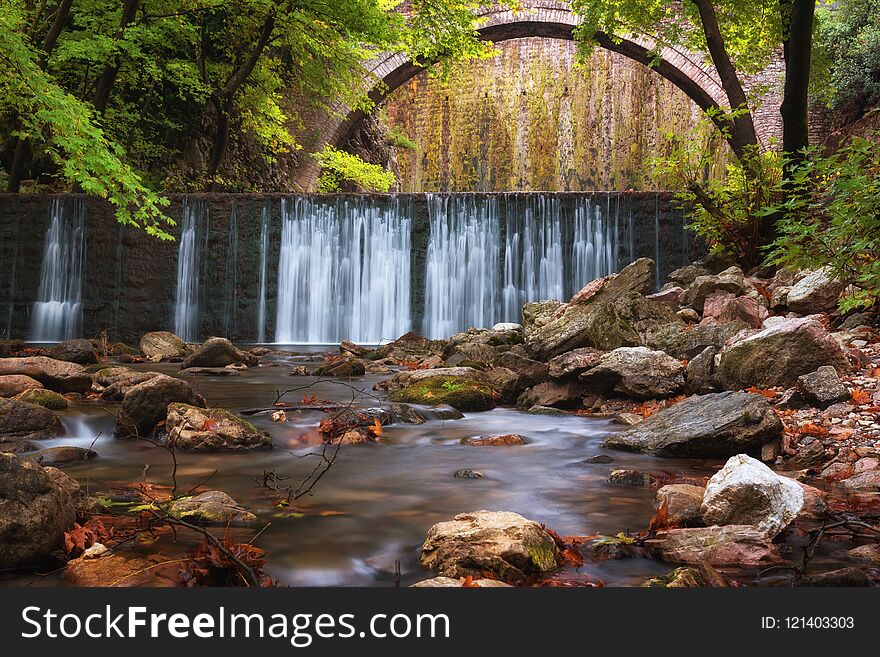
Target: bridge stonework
{"points": [[555, 20]]}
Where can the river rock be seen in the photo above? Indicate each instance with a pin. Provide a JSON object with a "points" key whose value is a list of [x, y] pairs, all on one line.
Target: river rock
{"points": [[213, 507], [163, 345], [114, 382], [842, 577], [686, 275], [57, 375], [865, 482], [15, 384], [634, 478], [683, 503], [218, 352], [668, 295], [559, 394], [822, 388], [345, 368], [503, 544], [45, 398], [614, 317], [730, 280], [636, 372], [23, 421], [409, 346], [505, 440], [79, 351], [716, 425], [146, 404], [680, 578], [35, 511], [464, 393], [686, 345], [449, 582], [573, 363], [117, 569], [744, 309], [730, 545], [62, 455], [195, 428], [349, 347], [777, 356], [536, 314], [747, 492], [869, 554], [816, 292], [210, 371], [700, 375]]}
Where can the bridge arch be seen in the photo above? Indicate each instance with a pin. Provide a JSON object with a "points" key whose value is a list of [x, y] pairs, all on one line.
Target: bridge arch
{"points": [[555, 20]]}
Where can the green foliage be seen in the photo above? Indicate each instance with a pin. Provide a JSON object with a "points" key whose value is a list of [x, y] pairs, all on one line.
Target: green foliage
{"points": [[395, 137], [727, 211], [847, 52], [832, 218], [339, 169]]}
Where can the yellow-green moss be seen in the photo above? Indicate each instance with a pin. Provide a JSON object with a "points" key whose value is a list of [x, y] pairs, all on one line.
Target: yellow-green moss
{"points": [[44, 398], [460, 393]]}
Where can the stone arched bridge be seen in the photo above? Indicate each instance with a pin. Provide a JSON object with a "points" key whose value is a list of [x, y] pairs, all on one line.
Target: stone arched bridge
{"points": [[556, 20]]}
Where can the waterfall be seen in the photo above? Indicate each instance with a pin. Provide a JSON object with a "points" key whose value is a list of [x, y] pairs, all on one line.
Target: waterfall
{"points": [[593, 248], [343, 271], [533, 254], [461, 276], [264, 263], [186, 306], [58, 310]]}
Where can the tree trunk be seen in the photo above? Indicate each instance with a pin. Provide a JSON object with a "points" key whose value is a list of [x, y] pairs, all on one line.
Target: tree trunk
{"points": [[108, 77], [22, 156], [744, 136], [797, 23], [221, 143]]}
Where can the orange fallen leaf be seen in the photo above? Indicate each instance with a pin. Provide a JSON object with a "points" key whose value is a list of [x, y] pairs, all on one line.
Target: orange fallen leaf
{"points": [[768, 393], [375, 428], [859, 396]]}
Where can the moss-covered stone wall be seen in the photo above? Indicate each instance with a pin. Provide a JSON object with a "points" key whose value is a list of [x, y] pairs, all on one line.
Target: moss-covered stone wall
{"points": [[532, 118]]}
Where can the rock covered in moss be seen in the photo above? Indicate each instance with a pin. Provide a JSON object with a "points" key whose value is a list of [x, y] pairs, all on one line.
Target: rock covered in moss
{"points": [[113, 382], [218, 352], [45, 398], [464, 394], [21, 420], [35, 511], [680, 578], [212, 507], [75, 351], [162, 345], [346, 368], [505, 545], [211, 429], [146, 404]]}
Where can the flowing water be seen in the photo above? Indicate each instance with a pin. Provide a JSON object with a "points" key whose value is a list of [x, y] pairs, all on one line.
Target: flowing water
{"points": [[57, 313], [264, 274], [194, 229]]}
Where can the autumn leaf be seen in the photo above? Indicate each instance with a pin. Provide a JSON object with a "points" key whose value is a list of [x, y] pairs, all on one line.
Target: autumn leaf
{"points": [[810, 429], [376, 428], [769, 393], [469, 583], [859, 397], [210, 424]]}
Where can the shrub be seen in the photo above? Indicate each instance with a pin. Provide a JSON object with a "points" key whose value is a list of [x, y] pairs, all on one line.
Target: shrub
{"points": [[339, 168]]}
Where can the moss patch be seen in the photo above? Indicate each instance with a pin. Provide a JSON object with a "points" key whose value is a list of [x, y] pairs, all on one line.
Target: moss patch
{"points": [[459, 392], [44, 398]]}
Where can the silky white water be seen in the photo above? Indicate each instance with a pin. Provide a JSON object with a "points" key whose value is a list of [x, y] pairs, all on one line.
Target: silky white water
{"points": [[264, 264], [186, 304], [57, 312]]}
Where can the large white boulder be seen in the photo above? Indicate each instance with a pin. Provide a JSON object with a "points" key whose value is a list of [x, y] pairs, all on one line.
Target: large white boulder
{"points": [[747, 492]]}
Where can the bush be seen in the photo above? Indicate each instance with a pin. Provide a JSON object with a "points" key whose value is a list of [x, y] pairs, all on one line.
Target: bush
{"points": [[339, 169], [831, 216]]}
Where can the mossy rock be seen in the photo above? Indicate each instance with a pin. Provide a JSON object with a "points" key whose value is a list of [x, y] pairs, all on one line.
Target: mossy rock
{"points": [[120, 349], [45, 398], [676, 579], [481, 367], [461, 393]]}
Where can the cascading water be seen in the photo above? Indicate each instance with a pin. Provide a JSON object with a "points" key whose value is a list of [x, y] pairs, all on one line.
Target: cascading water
{"points": [[186, 305], [264, 265], [343, 271], [461, 277], [230, 286], [58, 310], [594, 244]]}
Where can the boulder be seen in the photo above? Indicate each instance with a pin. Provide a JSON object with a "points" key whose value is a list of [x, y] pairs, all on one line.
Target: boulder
{"points": [[409, 346], [406, 378], [816, 292], [668, 295], [865, 482], [537, 313], [449, 582], [747, 492], [62, 455], [163, 345], [23, 421], [636, 372], [730, 545], [348, 347], [507, 326], [558, 394], [685, 345], [213, 507], [469, 352], [505, 440], [146, 404], [869, 554], [45, 398], [686, 275], [501, 544], [35, 511], [210, 371], [683, 503], [634, 478], [529, 372], [700, 375], [57, 375], [573, 363], [822, 388], [113, 382], [842, 577], [617, 315], [717, 425], [218, 352], [12, 385], [680, 578], [75, 351], [725, 309], [123, 570], [345, 368], [195, 428], [463, 393], [730, 280], [777, 356]]}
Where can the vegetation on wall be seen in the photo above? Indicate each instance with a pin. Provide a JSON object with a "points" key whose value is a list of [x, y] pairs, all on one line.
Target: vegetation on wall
{"points": [[340, 169]]}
